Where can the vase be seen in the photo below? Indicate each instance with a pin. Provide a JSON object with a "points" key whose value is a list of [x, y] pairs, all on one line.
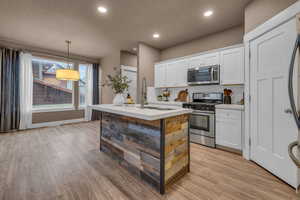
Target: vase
{"points": [[119, 99]]}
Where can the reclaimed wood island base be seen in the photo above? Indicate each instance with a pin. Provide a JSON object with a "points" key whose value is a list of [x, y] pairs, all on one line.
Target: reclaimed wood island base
{"points": [[156, 151]]}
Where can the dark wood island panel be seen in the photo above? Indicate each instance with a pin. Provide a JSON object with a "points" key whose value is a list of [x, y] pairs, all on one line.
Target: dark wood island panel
{"points": [[155, 151]]}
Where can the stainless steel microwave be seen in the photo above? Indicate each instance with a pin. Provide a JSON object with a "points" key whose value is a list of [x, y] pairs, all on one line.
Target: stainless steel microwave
{"points": [[204, 75]]}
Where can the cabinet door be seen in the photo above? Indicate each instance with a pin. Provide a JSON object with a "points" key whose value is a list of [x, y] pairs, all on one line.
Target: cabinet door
{"points": [[160, 75], [170, 72], [156, 76], [180, 72], [211, 59], [196, 61], [229, 128], [176, 74], [232, 66]]}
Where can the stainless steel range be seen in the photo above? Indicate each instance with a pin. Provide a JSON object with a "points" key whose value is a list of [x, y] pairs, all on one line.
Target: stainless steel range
{"points": [[202, 121]]}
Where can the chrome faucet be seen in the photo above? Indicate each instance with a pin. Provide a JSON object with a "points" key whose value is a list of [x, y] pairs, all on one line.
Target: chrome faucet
{"points": [[144, 93]]}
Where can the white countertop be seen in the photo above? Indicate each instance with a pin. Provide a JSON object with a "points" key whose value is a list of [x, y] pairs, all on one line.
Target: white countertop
{"points": [[230, 106], [137, 112]]}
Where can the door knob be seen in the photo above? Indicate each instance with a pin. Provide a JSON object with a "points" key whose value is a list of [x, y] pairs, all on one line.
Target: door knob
{"points": [[288, 111]]}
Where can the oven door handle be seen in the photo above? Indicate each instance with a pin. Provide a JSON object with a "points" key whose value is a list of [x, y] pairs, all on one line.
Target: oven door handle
{"points": [[203, 113]]}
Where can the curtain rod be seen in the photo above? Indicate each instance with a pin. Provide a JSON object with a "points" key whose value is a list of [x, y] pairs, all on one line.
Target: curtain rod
{"points": [[46, 53], [52, 55]]}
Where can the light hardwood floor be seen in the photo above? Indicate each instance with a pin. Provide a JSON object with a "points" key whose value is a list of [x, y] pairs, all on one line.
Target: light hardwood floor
{"points": [[65, 163]]}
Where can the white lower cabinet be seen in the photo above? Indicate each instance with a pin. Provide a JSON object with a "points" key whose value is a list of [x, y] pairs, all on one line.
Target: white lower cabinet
{"points": [[229, 128]]}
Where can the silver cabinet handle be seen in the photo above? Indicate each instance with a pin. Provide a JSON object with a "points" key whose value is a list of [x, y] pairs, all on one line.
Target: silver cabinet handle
{"points": [[292, 156], [288, 111]]}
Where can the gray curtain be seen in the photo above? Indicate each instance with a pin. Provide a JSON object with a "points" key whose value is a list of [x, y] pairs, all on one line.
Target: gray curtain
{"points": [[9, 90], [95, 114]]}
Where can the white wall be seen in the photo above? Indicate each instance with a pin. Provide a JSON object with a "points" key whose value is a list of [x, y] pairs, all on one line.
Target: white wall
{"points": [[147, 57], [218, 40]]}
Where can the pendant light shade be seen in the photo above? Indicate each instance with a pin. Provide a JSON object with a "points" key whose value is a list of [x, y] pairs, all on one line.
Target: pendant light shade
{"points": [[68, 74]]}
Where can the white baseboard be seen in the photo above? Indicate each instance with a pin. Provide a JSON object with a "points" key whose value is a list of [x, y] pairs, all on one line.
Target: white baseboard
{"points": [[57, 123]]}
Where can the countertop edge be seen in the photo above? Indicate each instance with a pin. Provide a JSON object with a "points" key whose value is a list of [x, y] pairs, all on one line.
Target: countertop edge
{"points": [[139, 116], [176, 103], [230, 107]]}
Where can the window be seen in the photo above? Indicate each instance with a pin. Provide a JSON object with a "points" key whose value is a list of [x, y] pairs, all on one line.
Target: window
{"points": [[49, 92], [82, 84]]}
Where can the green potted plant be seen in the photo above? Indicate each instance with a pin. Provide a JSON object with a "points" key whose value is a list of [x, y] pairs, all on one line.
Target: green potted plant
{"points": [[119, 84]]}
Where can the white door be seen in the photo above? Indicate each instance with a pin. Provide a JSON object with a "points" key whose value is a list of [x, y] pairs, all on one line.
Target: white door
{"points": [[232, 66], [131, 73], [272, 130]]}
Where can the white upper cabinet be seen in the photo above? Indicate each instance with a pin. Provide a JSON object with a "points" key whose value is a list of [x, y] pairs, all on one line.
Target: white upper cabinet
{"points": [[160, 75], [170, 75], [196, 61], [232, 66], [173, 74], [211, 59], [180, 73], [205, 60]]}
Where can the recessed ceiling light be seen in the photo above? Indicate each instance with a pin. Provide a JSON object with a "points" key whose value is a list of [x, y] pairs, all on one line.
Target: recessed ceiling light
{"points": [[156, 35], [102, 9], [208, 13]]}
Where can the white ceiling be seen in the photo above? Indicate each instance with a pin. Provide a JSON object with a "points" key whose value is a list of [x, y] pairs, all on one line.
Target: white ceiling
{"points": [[48, 23]]}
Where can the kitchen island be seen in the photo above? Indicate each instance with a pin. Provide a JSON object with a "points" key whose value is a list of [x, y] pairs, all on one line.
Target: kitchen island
{"points": [[152, 142]]}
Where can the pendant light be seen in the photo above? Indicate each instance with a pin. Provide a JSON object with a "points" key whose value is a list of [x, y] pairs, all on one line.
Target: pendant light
{"points": [[68, 74]]}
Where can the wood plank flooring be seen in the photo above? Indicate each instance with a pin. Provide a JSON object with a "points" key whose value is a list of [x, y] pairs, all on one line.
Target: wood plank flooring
{"points": [[65, 163]]}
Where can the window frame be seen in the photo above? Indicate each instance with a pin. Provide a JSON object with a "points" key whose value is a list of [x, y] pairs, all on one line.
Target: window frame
{"points": [[84, 106], [57, 108]]}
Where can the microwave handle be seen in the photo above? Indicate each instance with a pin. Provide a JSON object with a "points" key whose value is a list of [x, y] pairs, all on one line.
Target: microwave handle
{"points": [[212, 73]]}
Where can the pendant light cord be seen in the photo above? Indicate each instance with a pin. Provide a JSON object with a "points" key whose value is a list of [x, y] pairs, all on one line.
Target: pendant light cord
{"points": [[68, 43]]}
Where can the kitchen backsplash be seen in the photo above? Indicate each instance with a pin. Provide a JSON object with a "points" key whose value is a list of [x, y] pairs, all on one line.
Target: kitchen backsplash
{"points": [[236, 96]]}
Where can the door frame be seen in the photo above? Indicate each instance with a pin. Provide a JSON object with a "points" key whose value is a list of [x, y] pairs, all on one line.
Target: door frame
{"points": [[247, 137], [279, 19], [131, 69]]}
